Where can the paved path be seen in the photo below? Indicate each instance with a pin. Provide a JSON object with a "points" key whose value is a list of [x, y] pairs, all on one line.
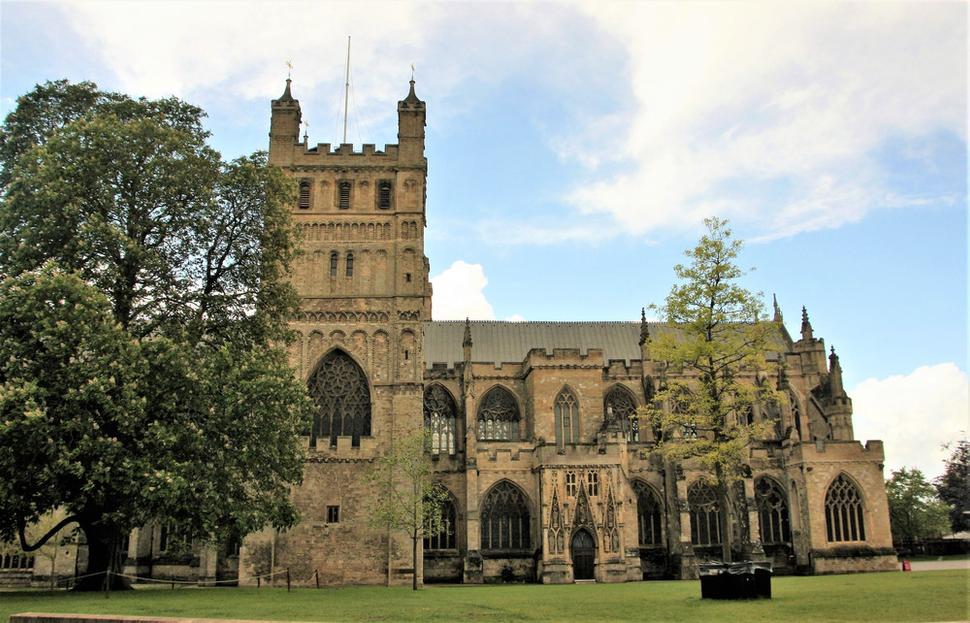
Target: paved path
{"points": [[939, 565]]}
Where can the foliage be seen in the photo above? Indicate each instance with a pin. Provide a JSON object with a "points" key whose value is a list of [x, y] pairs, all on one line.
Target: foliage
{"points": [[915, 511], [142, 320], [719, 345], [859, 597], [408, 498], [953, 486]]}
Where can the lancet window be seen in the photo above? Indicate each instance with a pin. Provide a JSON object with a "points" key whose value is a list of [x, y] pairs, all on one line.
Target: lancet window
{"points": [[447, 537], [339, 389], [705, 515], [304, 194], [498, 416], [648, 515], [333, 263], [772, 512], [844, 512], [505, 519], [567, 418], [621, 407], [440, 419]]}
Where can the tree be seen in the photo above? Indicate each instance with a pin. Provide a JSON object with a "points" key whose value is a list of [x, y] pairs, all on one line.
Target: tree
{"points": [[915, 511], [953, 486], [51, 548], [719, 346], [143, 316], [408, 498]]}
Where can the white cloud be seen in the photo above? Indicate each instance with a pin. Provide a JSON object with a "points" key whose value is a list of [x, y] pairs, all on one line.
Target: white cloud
{"points": [[459, 293], [515, 318], [772, 114], [914, 415]]}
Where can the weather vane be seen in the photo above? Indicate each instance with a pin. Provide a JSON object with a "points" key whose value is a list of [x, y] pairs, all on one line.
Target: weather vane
{"points": [[412, 71], [289, 69]]}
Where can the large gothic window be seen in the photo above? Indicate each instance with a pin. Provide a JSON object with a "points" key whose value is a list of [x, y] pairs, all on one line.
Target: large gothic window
{"points": [[844, 515], [339, 389], [705, 515], [498, 416], [772, 512], [505, 518], [620, 406], [447, 538], [567, 418], [440, 419], [648, 515]]}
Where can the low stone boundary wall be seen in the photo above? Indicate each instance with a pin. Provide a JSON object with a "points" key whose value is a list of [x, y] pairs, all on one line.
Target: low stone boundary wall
{"points": [[46, 617]]}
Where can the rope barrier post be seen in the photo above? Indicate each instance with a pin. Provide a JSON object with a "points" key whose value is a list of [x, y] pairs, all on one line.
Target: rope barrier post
{"points": [[107, 580], [287, 579], [316, 577], [259, 581]]}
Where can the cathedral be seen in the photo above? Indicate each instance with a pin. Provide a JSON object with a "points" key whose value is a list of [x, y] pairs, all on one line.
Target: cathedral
{"points": [[532, 424]]}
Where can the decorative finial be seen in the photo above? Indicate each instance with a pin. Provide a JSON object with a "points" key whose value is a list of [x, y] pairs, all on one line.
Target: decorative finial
{"points": [[774, 301], [289, 69], [644, 328], [412, 72], [806, 325], [286, 97], [468, 334], [306, 130], [835, 375]]}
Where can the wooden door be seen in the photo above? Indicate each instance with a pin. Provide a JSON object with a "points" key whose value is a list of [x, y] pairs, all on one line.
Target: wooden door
{"points": [[584, 555]]}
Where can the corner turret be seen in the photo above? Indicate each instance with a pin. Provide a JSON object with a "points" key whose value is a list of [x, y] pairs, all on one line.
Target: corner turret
{"points": [[284, 128], [838, 404], [411, 113]]}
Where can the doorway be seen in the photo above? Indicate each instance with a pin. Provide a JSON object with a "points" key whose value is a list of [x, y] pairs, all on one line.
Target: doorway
{"points": [[584, 555]]}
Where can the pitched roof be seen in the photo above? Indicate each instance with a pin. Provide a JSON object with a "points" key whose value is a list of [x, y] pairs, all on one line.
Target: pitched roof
{"points": [[498, 341]]}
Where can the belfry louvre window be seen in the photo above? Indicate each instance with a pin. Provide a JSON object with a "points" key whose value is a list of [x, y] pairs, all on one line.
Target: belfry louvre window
{"points": [[620, 405], [567, 418], [505, 519], [498, 416], [648, 515], [384, 194], [447, 537], [705, 515], [440, 419], [772, 512], [304, 194], [844, 515], [343, 194], [339, 389]]}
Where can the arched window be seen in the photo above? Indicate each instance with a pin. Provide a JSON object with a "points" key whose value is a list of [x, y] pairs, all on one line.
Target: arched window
{"points": [[440, 419], [350, 264], [844, 514], [447, 538], [772, 512], [621, 407], [705, 515], [304, 194], [339, 389], [648, 515], [567, 418], [498, 416], [333, 263], [505, 518]]}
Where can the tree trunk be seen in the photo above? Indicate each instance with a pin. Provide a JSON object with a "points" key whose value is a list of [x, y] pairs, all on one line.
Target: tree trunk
{"points": [[103, 543], [414, 560]]}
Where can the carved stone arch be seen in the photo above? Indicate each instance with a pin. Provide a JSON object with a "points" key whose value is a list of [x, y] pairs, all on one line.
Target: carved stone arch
{"points": [[566, 416], [506, 514], [619, 411], [447, 537], [704, 506], [343, 397], [774, 510], [499, 415], [845, 510], [649, 513], [441, 419]]}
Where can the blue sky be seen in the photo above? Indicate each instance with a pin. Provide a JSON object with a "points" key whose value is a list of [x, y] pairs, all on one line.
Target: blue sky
{"points": [[575, 149]]}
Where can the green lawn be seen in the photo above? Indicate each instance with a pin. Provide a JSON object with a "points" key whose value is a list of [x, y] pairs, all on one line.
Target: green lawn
{"points": [[924, 596]]}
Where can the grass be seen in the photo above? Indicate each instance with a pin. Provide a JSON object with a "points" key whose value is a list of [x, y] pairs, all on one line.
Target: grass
{"points": [[924, 596]]}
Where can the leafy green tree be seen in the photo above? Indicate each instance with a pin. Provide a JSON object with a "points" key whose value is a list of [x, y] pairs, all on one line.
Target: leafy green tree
{"points": [[408, 497], [915, 511], [176, 262], [718, 349], [953, 486]]}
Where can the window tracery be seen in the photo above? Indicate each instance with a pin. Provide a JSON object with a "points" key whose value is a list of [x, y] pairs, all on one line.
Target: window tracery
{"points": [[567, 418], [648, 515], [844, 512], [505, 519], [705, 515], [440, 419], [772, 507], [621, 408], [339, 389], [447, 537], [498, 416]]}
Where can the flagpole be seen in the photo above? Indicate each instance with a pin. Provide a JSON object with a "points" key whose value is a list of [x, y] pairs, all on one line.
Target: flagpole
{"points": [[347, 89]]}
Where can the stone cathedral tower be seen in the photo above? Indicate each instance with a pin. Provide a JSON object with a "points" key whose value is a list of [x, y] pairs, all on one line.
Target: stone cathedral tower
{"points": [[364, 293]]}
